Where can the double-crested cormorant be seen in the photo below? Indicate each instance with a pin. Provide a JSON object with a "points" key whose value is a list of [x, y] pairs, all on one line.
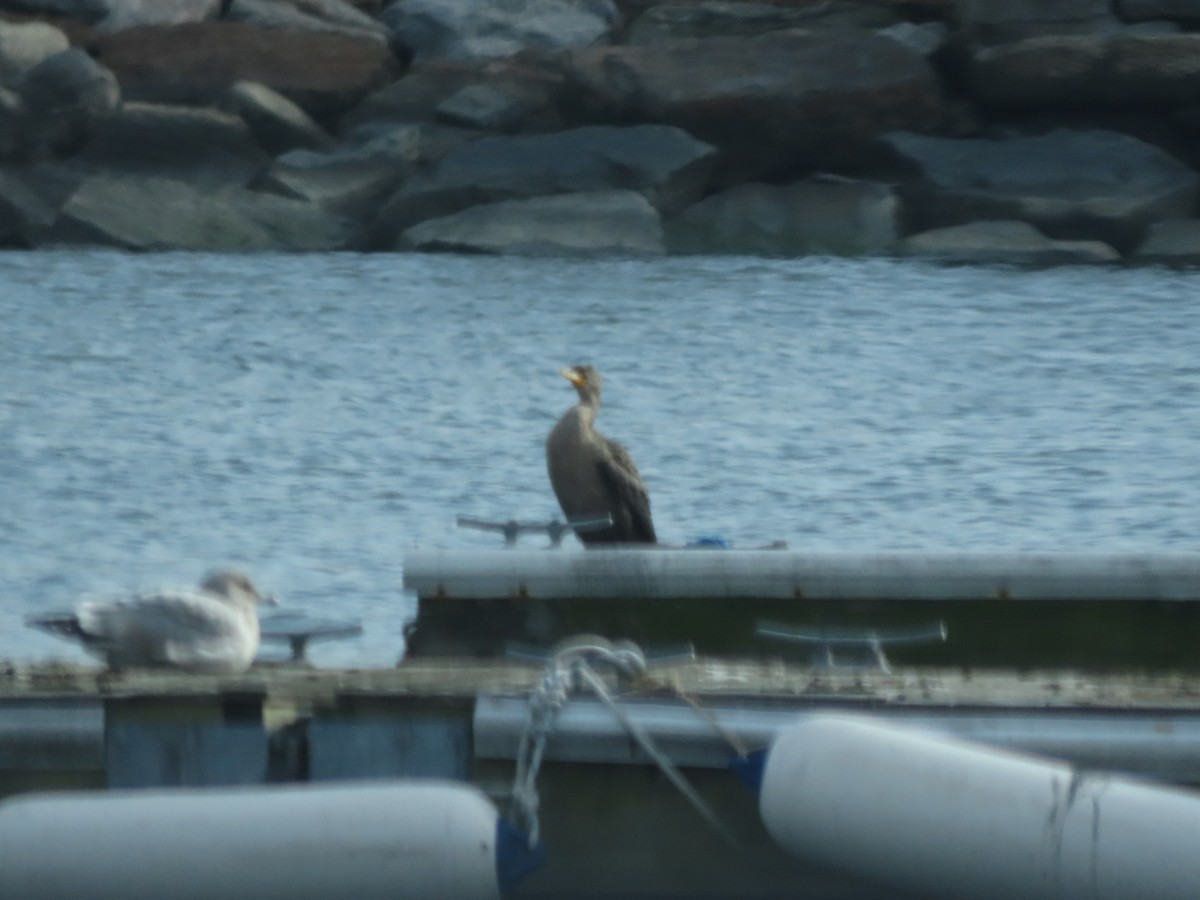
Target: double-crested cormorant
{"points": [[593, 476], [214, 629]]}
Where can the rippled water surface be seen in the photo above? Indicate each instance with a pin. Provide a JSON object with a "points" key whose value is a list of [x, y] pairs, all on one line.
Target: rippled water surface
{"points": [[311, 417]]}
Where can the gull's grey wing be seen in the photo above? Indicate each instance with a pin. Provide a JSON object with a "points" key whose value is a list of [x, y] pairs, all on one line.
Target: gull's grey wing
{"points": [[165, 628]]}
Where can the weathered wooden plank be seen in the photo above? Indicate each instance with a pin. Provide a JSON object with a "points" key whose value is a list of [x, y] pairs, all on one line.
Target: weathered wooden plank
{"points": [[434, 680]]}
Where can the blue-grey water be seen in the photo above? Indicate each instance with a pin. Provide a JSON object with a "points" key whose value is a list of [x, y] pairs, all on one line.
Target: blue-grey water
{"points": [[312, 417]]}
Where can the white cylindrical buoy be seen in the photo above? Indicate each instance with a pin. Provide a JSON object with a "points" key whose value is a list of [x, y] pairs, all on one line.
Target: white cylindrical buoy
{"points": [[363, 840], [941, 817]]}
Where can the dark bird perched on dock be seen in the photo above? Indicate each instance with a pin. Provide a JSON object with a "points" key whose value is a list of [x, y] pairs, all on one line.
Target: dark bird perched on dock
{"points": [[214, 629], [593, 476]]}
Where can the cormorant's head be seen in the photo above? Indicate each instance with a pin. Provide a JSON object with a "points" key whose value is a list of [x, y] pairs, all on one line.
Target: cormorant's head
{"points": [[586, 380]]}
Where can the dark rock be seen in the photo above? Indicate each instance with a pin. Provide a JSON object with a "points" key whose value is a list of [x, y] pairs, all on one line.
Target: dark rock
{"points": [[198, 63], [1112, 69], [775, 104], [1097, 185], [12, 126], [1003, 242], [204, 147], [25, 44], [526, 96], [491, 107], [164, 214], [591, 223], [471, 29], [132, 13], [276, 122], [59, 104], [1185, 12], [988, 21], [666, 165], [817, 216], [70, 81], [432, 143], [24, 214], [90, 11], [1172, 241], [728, 18], [354, 179], [330, 16], [926, 39]]}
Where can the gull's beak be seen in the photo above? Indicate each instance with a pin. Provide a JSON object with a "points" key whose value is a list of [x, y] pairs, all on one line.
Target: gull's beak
{"points": [[572, 376]]}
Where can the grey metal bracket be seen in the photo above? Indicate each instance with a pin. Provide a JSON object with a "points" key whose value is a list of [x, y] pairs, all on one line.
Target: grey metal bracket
{"points": [[556, 529], [860, 644]]}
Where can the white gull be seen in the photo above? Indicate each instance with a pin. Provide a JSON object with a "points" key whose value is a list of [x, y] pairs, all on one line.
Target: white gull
{"points": [[214, 629]]}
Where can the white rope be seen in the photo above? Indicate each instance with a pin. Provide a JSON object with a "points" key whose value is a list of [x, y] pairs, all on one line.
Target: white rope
{"points": [[570, 669], [660, 759], [544, 706]]}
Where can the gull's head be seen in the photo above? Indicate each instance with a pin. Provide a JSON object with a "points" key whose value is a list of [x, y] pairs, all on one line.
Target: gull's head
{"points": [[235, 586]]}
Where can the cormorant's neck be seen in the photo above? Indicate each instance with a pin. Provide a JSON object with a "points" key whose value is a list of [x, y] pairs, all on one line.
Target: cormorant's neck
{"points": [[588, 406]]}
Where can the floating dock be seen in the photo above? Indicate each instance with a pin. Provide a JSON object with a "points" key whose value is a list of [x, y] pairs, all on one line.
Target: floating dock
{"points": [[620, 759], [612, 824], [1018, 610]]}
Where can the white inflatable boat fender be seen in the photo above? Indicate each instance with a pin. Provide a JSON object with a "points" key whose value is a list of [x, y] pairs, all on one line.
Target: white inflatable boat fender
{"points": [[366, 840], [941, 817]]}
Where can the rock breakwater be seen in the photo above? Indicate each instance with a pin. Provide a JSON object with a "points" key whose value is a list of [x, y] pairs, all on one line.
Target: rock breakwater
{"points": [[952, 129]]}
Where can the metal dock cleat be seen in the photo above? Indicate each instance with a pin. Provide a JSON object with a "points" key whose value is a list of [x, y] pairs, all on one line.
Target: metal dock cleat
{"points": [[555, 528]]}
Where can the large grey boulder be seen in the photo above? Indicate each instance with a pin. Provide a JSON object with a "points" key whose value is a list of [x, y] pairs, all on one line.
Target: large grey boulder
{"points": [[987, 21], [90, 11], [467, 29], [724, 18], [12, 121], [124, 14], [1185, 12], [772, 104], [590, 223], [490, 107], [333, 16], [669, 167], [197, 63], [202, 146], [70, 82], [25, 44], [500, 95], [433, 140], [278, 124], [925, 39], [24, 214], [57, 106], [831, 216], [165, 214], [115, 15], [1002, 242], [354, 179], [1094, 185], [1175, 241], [1116, 69]]}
